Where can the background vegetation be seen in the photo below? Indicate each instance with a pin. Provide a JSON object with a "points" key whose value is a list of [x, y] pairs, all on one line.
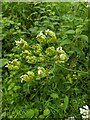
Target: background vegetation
{"points": [[68, 89]]}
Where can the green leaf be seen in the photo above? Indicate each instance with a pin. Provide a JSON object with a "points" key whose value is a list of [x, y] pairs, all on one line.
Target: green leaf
{"points": [[78, 31], [70, 32], [84, 37], [29, 113], [46, 112], [41, 116], [65, 104], [3, 62], [65, 42], [54, 95], [33, 30], [36, 112], [11, 86]]}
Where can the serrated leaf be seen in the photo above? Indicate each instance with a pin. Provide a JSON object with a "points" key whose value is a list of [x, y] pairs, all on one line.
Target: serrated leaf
{"points": [[65, 104], [29, 113], [46, 112], [54, 95], [70, 32]]}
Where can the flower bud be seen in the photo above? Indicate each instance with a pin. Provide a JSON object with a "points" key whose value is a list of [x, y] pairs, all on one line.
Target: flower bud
{"points": [[28, 77], [14, 65], [10, 67], [15, 62], [37, 49], [50, 51], [25, 77], [41, 59], [26, 53], [31, 75], [22, 44], [51, 36], [62, 57], [41, 38], [31, 59]]}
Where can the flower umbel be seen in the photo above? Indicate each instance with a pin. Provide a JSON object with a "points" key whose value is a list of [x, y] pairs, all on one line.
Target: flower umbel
{"points": [[13, 65], [51, 37], [41, 38], [22, 44], [50, 51], [28, 77]]}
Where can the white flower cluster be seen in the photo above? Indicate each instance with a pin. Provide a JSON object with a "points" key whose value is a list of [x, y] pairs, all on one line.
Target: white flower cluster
{"points": [[85, 112], [13, 65], [22, 44]]}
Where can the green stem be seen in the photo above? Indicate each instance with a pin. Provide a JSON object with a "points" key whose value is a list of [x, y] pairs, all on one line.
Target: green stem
{"points": [[73, 70]]}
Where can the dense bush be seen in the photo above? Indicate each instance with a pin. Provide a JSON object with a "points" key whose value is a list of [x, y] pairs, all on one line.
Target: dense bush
{"points": [[45, 72]]}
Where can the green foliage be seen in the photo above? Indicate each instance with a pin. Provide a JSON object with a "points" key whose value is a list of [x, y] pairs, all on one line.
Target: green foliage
{"points": [[45, 59], [65, 105], [54, 95], [29, 113], [46, 112]]}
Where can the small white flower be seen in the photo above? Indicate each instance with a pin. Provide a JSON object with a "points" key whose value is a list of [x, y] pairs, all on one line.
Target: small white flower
{"points": [[86, 116], [41, 33], [46, 31], [81, 111], [61, 55], [18, 42], [59, 48], [22, 78], [39, 72], [6, 65], [86, 107], [10, 61], [71, 118]]}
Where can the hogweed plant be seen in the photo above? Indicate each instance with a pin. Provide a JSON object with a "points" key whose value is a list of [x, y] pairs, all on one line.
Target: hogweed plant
{"points": [[37, 65], [38, 57]]}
